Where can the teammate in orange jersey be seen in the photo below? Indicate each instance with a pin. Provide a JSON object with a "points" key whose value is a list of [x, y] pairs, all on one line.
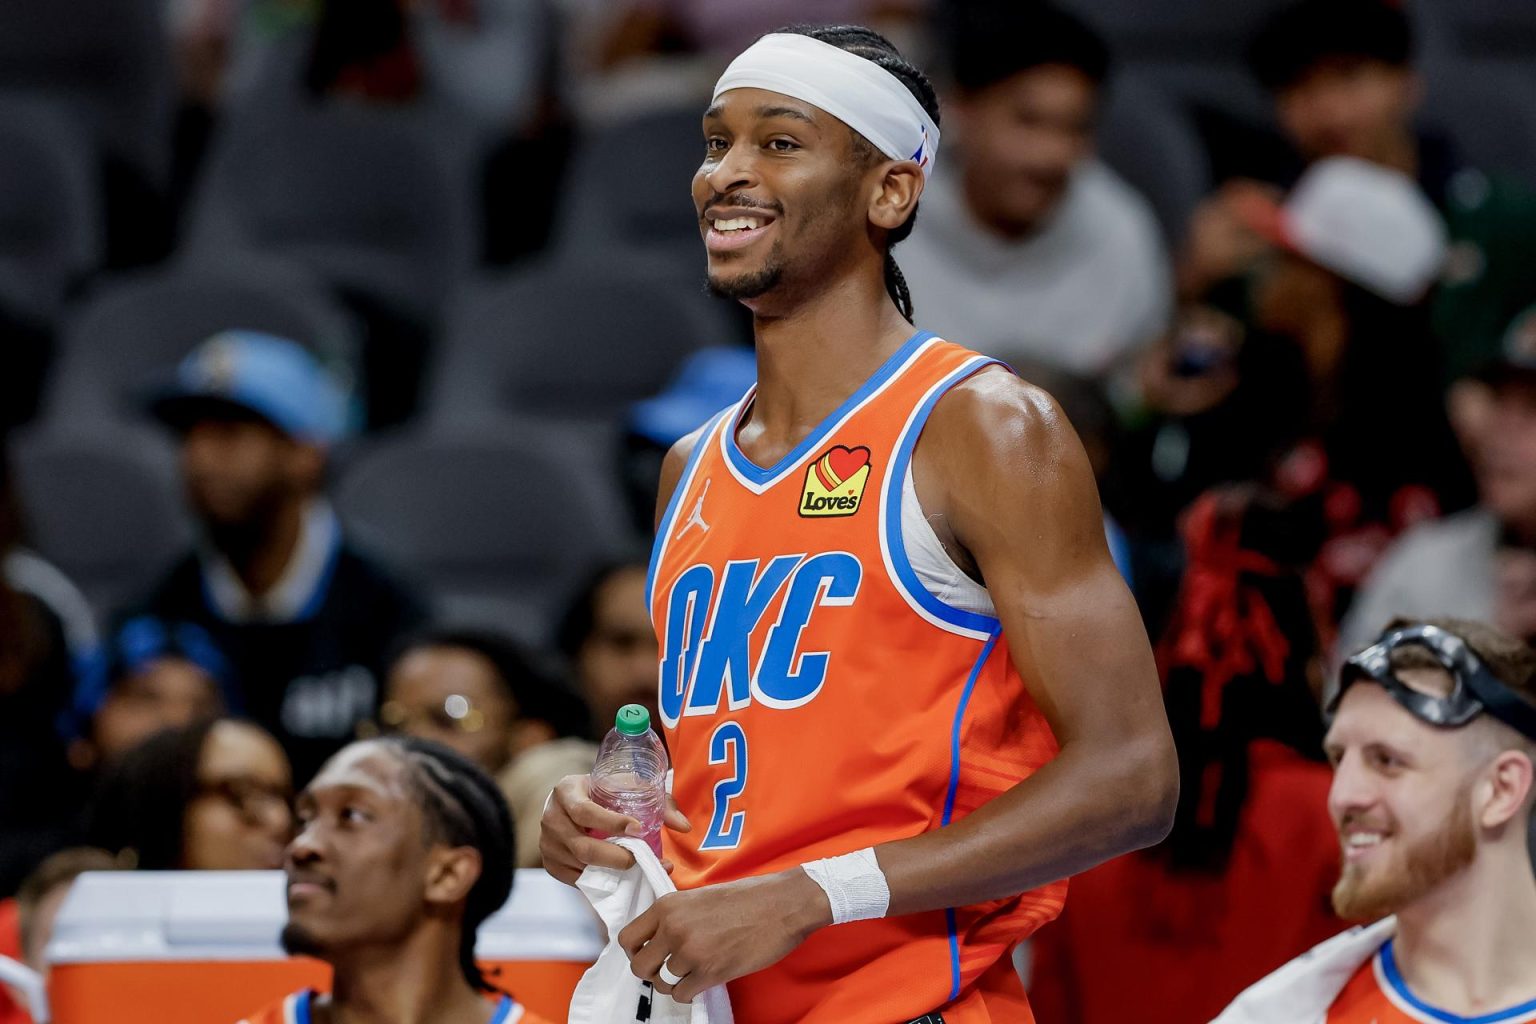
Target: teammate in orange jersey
{"points": [[904, 688], [404, 848], [1432, 745]]}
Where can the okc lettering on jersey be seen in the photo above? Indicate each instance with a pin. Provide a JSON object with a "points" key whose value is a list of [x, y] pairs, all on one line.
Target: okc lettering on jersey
{"points": [[707, 649]]}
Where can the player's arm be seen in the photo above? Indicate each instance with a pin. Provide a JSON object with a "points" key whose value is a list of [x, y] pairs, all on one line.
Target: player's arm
{"points": [[1014, 489], [565, 843]]}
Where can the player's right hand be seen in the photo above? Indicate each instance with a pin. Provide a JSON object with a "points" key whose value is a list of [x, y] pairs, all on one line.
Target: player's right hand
{"points": [[570, 815]]}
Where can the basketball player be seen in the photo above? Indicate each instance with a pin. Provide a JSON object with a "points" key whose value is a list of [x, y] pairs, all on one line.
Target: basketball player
{"points": [[404, 848], [905, 689], [1432, 744]]}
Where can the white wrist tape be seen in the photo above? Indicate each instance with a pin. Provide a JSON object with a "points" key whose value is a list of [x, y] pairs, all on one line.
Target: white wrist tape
{"points": [[854, 884]]}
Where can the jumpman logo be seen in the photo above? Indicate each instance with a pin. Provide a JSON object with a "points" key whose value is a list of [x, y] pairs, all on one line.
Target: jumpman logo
{"points": [[696, 518]]}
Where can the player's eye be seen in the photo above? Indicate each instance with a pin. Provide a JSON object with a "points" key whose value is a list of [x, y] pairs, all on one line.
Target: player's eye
{"points": [[354, 815], [783, 145], [716, 145]]}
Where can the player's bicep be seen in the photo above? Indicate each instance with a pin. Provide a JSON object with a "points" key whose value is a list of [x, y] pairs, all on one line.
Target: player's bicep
{"points": [[1022, 499]]}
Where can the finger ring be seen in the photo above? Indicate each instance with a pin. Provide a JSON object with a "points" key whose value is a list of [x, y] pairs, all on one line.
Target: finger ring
{"points": [[666, 975]]}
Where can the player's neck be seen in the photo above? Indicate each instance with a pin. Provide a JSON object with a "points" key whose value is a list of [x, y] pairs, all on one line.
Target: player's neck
{"points": [[1470, 948], [417, 983], [812, 357]]}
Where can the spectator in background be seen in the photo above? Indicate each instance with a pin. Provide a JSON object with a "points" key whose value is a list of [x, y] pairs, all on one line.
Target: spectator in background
{"points": [[305, 619], [26, 922], [476, 693], [1170, 935], [1356, 249], [1027, 247], [1479, 564], [157, 675], [38, 797], [212, 796], [1334, 403], [1344, 83], [607, 638], [722, 28]]}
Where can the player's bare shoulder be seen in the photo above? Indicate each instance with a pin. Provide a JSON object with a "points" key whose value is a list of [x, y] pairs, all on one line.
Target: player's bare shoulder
{"points": [[999, 418], [673, 467]]}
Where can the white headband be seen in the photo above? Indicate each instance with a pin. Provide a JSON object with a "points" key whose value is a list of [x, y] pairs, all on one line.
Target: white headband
{"points": [[858, 92]]}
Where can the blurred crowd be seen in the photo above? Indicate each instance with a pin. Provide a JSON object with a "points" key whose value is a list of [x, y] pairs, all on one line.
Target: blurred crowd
{"points": [[341, 342]]}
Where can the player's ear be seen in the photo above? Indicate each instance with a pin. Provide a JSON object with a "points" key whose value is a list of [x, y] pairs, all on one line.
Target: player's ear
{"points": [[451, 872], [895, 194], [1505, 788]]}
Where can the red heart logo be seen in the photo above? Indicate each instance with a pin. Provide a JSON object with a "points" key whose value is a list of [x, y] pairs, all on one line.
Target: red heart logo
{"points": [[847, 461]]}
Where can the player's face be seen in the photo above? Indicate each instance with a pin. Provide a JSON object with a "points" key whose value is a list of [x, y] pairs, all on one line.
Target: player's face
{"points": [[1020, 140], [236, 471], [451, 696], [1349, 107], [779, 195], [1506, 463], [240, 819], [357, 869], [617, 662], [1401, 801]]}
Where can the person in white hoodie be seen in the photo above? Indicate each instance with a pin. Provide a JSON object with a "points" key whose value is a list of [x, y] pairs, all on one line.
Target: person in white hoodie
{"points": [[1432, 798]]}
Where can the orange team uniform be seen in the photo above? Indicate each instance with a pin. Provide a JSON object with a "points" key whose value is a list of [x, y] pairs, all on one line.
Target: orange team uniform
{"points": [[295, 1009], [1376, 994], [818, 698]]}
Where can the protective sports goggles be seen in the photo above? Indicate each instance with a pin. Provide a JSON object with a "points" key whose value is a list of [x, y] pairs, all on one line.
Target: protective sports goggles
{"points": [[1475, 689]]}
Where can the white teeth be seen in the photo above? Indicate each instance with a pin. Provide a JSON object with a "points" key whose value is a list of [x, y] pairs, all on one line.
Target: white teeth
{"points": [[738, 224], [1360, 840]]}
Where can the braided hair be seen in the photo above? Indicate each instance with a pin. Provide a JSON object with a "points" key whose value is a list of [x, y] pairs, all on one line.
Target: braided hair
{"points": [[880, 51], [463, 807]]}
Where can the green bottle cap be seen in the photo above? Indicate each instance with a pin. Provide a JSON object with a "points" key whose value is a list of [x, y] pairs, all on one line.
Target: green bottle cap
{"points": [[632, 720]]}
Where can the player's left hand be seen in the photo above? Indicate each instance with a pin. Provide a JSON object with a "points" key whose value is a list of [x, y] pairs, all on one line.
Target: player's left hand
{"points": [[716, 934]]}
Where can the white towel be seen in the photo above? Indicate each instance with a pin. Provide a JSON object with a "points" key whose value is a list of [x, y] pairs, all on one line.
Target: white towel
{"points": [[609, 993], [1302, 991]]}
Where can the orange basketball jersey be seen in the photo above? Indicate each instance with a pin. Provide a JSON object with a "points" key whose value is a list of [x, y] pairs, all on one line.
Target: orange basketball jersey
{"points": [[1377, 994], [828, 682], [295, 1009]]}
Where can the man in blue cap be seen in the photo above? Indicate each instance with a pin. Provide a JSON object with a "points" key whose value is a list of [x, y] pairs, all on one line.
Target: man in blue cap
{"points": [[305, 619]]}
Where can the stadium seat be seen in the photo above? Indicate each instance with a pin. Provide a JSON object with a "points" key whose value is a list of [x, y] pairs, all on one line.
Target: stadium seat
{"points": [[136, 329], [577, 339], [652, 210], [499, 523], [50, 217], [374, 200], [1175, 28], [1151, 143], [104, 508], [108, 60], [1486, 108]]}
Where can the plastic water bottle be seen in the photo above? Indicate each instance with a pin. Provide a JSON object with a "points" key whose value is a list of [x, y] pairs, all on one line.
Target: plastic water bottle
{"points": [[630, 775]]}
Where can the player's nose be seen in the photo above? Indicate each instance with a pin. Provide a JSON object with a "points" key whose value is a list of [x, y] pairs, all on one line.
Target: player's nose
{"points": [[1352, 790]]}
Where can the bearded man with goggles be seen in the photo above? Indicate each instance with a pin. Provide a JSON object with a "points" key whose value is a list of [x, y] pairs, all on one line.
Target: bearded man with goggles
{"points": [[1432, 739]]}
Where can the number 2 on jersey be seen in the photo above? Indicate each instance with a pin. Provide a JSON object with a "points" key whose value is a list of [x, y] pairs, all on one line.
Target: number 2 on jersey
{"points": [[727, 745]]}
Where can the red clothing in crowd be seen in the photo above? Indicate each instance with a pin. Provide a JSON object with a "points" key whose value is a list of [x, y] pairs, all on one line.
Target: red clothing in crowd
{"points": [[10, 945], [1140, 942]]}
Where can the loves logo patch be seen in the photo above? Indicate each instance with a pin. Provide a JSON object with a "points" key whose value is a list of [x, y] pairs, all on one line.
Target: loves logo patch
{"points": [[834, 483]]}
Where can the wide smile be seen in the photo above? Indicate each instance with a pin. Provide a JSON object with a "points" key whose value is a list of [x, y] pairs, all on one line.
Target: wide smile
{"points": [[730, 231], [1359, 846]]}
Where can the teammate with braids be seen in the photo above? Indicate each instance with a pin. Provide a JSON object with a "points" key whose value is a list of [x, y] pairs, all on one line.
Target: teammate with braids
{"points": [[905, 690], [404, 848]]}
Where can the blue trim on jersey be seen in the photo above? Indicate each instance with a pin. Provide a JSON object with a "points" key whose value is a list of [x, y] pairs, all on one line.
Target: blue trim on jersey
{"points": [[1395, 979], [503, 1010], [301, 1006], [888, 369], [906, 576], [665, 527], [949, 796]]}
